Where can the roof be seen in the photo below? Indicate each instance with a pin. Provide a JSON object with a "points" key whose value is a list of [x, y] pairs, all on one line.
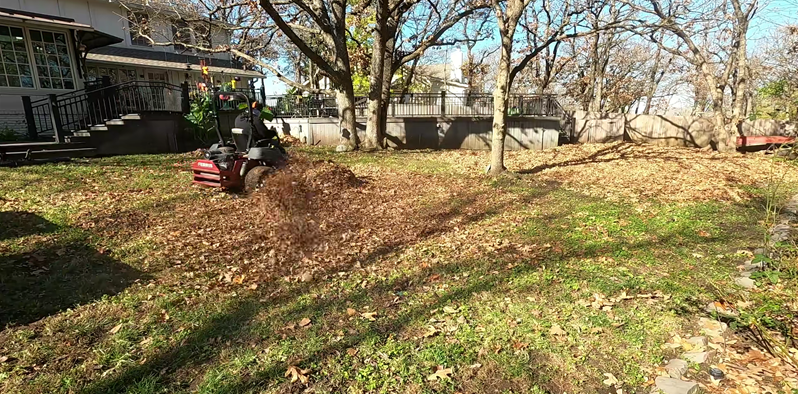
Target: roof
{"points": [[174, 61], [42, 19]]}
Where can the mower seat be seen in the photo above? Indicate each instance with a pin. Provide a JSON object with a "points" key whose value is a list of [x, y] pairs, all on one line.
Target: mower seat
{"points": [[241, 138]]}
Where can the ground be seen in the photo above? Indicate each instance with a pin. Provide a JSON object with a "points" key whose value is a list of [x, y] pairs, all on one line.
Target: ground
{"points": [[420, 275]]}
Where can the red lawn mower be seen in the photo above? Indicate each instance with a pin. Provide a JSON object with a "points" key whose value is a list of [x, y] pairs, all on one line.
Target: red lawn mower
{"points": [[239, 163]]}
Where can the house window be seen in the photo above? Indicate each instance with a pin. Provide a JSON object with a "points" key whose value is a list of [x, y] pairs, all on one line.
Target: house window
{"points": [[139, 27], [15, 70], [53, 63], [181, 35]]}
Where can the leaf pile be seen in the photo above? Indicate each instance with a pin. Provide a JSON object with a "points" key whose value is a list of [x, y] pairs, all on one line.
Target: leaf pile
{"points": [[634, 172]]}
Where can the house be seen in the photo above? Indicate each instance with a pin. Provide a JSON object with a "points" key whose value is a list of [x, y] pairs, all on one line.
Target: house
{"points": [[444, 77], [58, 46]]}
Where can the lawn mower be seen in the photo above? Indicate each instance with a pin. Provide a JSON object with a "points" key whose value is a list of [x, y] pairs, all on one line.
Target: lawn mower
{"points": [[239, 163]]}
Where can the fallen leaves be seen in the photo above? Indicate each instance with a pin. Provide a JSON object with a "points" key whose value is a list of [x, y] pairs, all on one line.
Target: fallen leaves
{"points": [[116, 328], [305, 322], [441, 373], [556, 330], [297, 374], [611, 379], [371, 316]]}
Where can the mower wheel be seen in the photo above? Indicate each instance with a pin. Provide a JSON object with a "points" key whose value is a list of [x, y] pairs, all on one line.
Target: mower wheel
{"points": [[256, 176]]}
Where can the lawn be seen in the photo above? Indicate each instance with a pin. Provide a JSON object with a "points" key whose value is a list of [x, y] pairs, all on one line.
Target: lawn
{"points": [[422, 275]]}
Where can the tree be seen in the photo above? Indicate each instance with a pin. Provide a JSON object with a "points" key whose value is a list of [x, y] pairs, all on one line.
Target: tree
{"points": [[711, 36], [406, 29], [563, 21]]}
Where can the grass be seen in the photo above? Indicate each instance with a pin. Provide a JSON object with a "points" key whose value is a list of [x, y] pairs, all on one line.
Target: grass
{"points": [[92, 302]]}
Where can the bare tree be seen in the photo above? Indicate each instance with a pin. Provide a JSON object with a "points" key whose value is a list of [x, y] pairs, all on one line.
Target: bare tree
{"points": [[711, 35], [404, 30], [564, 20]]}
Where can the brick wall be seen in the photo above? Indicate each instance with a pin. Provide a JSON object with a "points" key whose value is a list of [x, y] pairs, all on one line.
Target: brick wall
{"points": [[13, 120]]}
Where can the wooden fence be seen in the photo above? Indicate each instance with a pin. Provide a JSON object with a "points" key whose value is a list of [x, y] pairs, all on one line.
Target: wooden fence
{"points": [[663, 130]]}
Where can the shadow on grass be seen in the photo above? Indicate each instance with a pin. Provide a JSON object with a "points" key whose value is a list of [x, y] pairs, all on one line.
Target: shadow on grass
{"points": [[21, 224], [57, 276]]}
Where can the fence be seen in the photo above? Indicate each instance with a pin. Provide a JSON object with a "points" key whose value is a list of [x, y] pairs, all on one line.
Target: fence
{"points": [[664, 130], [81, 109], [399, 105]]}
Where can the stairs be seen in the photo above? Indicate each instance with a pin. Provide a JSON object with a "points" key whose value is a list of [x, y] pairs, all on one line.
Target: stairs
{"points": [[81, 143]]}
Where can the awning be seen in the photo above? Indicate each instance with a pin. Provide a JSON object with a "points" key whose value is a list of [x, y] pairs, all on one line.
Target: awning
{"points": [[171, 61], [95, 39]]}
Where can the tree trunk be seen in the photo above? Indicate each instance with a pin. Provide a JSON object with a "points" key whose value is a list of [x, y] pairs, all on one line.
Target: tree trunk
{"points": [[345, 97], [723, 135], [500, 94], [385, 95], [373, 133]]}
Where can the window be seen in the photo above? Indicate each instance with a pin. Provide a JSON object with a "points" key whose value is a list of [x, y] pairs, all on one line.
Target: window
{"points": [[139, 27], [15, 70], [53, 63], [181, 35]]}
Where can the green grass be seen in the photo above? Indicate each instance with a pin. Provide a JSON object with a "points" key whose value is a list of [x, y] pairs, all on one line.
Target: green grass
{"points": [[110, 314]]}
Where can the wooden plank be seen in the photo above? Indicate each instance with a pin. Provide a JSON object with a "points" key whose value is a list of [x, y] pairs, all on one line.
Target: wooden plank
{"points": [[764, 140]]}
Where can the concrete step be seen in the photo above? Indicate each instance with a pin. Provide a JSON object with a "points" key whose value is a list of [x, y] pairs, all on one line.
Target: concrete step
{"points": [[131, 117], [115, 122], [78, 137], [98, 128]]}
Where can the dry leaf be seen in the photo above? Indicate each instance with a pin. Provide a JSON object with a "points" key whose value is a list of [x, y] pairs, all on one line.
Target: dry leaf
{"points": [[3, 359], [290, 326], [116, 328], [441, 373], [239, 279], [297, 374], [351, 312], [450, 310], [351, 351], [304, 322], [253, 286], [369, 315], [611, 379], [556, 330]]}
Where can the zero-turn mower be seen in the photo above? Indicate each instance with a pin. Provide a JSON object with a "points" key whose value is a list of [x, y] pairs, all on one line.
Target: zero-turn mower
{"points": [[241, 162]]}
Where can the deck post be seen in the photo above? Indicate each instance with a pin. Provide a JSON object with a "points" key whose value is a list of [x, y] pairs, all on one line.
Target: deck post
{"points": [[55, 115], [30, 120]]}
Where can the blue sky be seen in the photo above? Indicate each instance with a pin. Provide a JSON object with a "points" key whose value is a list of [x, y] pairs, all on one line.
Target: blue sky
{"points": [[771, 16]]}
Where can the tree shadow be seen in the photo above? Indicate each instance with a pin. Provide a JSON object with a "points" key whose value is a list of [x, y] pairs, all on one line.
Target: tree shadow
{"points": [[22, 224], [49, 279]]}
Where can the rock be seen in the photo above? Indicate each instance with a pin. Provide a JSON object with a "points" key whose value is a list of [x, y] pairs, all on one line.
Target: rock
{"points": [[343, 148], [753, 267], [698, 341], [780, 233], [744, 282], [698, 357], [676, 368], [675, 386], [760, 251]]}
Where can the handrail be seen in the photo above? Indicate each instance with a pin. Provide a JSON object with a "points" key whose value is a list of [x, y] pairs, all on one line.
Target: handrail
{"points": [[108, 87]]}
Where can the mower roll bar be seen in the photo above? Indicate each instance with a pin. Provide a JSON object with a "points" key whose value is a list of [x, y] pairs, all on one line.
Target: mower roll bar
{"points": [[238, 95]]}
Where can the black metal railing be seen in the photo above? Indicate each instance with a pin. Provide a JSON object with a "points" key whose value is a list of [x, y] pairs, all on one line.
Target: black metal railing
{"points": [[81, 109], [415, 105]]}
